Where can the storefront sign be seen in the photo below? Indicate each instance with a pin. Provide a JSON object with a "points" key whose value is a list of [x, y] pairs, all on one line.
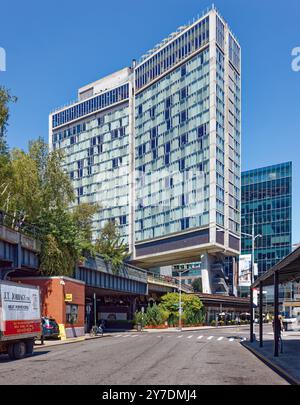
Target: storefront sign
{"points": [[68, 297], [245, 271]]}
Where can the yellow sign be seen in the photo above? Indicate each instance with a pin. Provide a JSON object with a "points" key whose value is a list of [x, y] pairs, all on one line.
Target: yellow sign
{"points": [[62, 332], [69, 297]]}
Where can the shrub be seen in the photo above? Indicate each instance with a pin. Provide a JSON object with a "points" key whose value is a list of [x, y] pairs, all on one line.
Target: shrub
{"points": [[156, 315], [213, 323], [193, 309], [140, 317]]}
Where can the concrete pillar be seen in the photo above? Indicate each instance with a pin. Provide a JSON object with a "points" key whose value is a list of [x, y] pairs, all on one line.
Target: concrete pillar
{"points": [[205, 271], [132, 307]]}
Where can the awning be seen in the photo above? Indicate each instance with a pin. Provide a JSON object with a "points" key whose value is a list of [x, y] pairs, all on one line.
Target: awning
{"points": [[288, 270]]}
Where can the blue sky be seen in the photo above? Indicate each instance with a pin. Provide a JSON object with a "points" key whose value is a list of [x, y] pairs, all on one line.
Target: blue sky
{"points": [[55, 47]]}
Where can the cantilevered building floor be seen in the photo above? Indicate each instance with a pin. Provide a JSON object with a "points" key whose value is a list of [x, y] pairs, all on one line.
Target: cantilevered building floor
{"points": [[158, 145]]}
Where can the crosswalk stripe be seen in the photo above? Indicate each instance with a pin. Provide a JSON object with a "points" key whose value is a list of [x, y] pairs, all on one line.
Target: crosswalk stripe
{"points": [[231, 339], [126, 336], [221, 338], [190, 337], [199, 337], [117, 335], [210, 338], [179, 336]]}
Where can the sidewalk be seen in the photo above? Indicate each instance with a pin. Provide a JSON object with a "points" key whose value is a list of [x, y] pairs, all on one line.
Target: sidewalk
{"points": [[288, 362], [191, 329], [57, 342]]}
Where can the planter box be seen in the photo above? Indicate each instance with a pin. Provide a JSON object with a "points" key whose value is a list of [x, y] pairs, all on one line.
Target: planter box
{"points": [[156, 327]]}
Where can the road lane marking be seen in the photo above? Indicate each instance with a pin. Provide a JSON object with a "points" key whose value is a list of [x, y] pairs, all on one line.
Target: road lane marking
{"points": [[199, 337], [190, 337], [220, 338], [210, 338]]}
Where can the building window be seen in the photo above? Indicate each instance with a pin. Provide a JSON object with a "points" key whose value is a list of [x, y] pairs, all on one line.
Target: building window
{"points": [[183, 116], [123, 220], [183, 93], [71, 314]]}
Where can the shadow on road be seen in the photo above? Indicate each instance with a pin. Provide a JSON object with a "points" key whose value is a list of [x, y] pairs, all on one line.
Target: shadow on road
{"points": [[4, 357]]}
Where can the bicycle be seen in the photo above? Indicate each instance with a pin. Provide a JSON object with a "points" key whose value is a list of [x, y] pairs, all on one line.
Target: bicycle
{"points": [[96, 330]]}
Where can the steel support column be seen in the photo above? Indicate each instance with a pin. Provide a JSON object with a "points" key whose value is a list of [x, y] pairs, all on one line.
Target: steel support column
{"points": [[261, 343], [276, 314]]}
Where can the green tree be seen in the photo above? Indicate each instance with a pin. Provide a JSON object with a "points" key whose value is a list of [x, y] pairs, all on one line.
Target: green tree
{"points": [[156, 315], [192, 307], [5, 99], [38, 191], [111, 246], [82, 216], [5, 168]]}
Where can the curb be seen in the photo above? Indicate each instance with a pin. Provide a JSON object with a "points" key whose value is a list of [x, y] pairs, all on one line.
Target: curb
{"points": [[191, 329], [275, 367], [69, 341]]}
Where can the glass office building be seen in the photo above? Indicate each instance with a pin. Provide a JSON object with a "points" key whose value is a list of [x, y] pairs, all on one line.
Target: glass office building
{"points": [[158, 146], [267, 197]]}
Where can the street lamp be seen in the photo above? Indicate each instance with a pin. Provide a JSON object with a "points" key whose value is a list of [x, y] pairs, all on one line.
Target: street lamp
{"points": [[180, 303], [253, 239]]}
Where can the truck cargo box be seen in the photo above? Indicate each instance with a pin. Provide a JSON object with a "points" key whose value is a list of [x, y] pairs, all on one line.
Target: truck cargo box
{"points": [[20, 311]]}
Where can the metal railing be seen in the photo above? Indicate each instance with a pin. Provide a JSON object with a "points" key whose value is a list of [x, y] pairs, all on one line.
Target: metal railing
{"points": [[168, 280], [16, 223]]}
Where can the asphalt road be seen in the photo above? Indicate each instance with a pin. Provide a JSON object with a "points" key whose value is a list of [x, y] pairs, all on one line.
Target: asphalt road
{"points": [[202, 357]]}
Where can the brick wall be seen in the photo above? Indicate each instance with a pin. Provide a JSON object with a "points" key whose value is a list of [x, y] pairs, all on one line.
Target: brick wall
{"points": [[53, 297]]}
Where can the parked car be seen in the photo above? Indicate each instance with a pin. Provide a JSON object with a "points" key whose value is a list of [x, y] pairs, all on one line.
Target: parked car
{"points": [[50, 328]]}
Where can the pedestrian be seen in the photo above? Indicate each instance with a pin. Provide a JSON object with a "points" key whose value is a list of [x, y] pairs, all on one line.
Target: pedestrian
{"points": [[281, 329]]}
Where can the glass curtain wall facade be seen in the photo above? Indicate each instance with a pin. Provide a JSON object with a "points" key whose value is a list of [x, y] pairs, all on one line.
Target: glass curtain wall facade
{"points": [[96, 151], [267, 192], [158, 146]]}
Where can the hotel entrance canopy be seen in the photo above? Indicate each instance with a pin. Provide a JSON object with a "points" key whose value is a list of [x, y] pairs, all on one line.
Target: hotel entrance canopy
{"points": [[287, 270]]}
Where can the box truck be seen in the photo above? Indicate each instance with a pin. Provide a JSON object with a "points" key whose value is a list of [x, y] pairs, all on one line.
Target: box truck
{"points": [[20, 319]]}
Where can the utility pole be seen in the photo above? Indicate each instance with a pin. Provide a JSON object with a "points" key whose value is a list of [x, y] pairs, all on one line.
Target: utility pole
{"points": [[180, 304], [95, 309], [252, 281]]}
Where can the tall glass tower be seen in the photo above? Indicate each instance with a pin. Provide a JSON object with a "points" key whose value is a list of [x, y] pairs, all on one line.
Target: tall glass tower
{"points": [[267, 197], [158, 146]]}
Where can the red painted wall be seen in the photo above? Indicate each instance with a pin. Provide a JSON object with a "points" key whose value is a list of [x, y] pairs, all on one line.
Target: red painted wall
{"points": [[53, 297]]}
